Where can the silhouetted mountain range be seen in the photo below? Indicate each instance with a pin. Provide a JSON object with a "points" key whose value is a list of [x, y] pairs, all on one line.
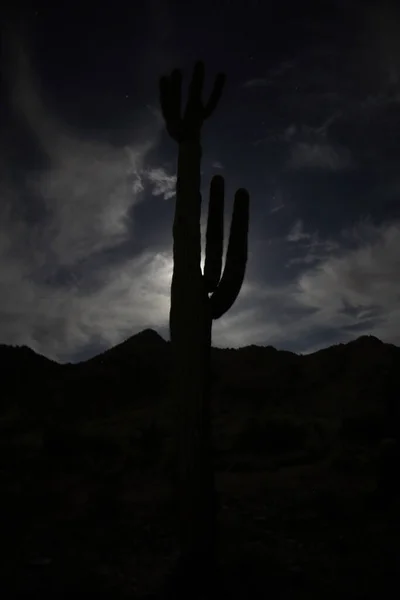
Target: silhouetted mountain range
{"points": [[298, 444], [339, 381]]}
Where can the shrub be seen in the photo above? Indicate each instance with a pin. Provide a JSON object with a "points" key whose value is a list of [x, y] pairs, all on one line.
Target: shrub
{"points": [[278, 435], [69, 448], [388, 460], [62, 445], [146, 445], [364, 429]]}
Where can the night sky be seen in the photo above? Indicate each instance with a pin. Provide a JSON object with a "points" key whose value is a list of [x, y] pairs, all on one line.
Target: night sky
{"points": [[309, 123]]}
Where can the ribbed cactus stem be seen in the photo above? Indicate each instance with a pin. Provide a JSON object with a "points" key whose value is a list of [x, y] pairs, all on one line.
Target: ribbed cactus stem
{"points": [[191, 315]]}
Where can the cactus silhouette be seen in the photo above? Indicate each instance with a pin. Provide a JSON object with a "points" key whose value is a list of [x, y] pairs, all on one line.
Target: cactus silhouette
{"points": [[197, 299]]}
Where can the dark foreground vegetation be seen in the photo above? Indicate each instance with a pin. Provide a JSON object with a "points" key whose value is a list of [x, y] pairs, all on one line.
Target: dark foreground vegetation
{"points": [[306, 462]]}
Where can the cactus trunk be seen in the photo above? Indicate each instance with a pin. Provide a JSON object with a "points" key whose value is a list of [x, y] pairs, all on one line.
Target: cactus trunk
{"points": [[191, 315], [190, 332]]}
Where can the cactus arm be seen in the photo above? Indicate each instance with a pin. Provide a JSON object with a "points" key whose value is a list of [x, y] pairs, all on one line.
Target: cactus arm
{"points": [[214, 234], [236, 258], [170, 101], [215, 95]]}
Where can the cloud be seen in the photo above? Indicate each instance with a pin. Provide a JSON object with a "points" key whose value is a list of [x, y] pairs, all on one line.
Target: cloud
{"points": [[258, 82], [273, 74], [162, 183], [88, 194], [321, 131], [296, 234], [349, 291], [314, 249], [306, 155], [217, 165], [276, 208], [303, 134], [58, 322], [383, 22], [59, 289], [364, 275], [88, 188]]}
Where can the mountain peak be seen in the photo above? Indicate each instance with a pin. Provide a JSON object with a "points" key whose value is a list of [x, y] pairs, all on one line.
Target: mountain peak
{"points": [[368, 339], [148, 336]]}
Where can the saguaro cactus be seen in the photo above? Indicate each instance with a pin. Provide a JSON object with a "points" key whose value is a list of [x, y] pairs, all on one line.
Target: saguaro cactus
{"points": [[197, 299]]}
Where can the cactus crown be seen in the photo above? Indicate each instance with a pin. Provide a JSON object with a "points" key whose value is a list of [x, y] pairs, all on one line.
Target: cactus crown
{"points": [[224, 290], [187, 128]]}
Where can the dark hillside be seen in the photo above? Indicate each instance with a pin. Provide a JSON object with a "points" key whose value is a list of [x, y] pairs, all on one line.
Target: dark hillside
{"points": [[302, 459]]}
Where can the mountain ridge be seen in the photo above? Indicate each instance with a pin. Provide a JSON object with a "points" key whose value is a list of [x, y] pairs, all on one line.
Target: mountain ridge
{"points": [[359, 376], [150, 338]]}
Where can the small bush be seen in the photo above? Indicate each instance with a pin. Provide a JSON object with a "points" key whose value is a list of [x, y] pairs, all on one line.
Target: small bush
{"points": [[350, 462], [364, 429], [278, 435], [321, 436], [102, 453], [69, 448], [62, 445], [388, 460], [146, 445]]}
